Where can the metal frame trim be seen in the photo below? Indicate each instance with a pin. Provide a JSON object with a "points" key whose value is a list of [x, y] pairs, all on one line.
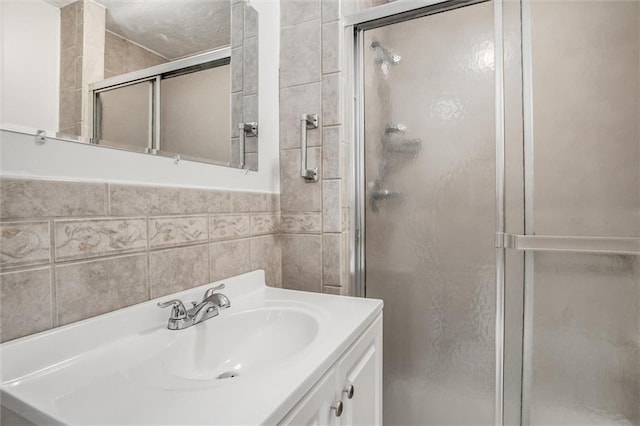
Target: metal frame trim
{"points": [[356, 38], [529, 220], [500, 210], [156, 127], [154, 75], [390, 9], [152, 72], [385, 15]]}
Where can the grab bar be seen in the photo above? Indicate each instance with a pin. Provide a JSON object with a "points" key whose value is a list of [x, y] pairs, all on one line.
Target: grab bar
{"points": [[246, 130], [307, 121], [604, 245]]}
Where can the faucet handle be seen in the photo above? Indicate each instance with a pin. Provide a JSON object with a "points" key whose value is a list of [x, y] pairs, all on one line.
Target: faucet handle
{"points": [[212, 290], [178, 310]]}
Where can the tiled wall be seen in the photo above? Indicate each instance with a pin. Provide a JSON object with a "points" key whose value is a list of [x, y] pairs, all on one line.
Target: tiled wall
{"points": [[122, 56], [82, 43], [71, 250], [244, 79], [71, 49], [314, 215]]}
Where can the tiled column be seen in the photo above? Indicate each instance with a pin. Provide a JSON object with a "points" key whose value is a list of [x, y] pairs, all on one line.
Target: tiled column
{"points": [[94, 29], [71, 48], [244, 79], [311, 81], [81, 62]]}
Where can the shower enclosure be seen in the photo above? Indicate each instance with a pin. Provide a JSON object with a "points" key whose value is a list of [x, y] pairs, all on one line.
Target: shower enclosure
{"points": [[497, 208]]}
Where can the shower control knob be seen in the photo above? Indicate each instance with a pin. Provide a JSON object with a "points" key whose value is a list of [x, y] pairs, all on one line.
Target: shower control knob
{"points": [[349, 390], [338, 407]]}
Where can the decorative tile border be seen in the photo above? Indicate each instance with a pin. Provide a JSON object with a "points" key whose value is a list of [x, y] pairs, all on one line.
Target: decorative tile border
{"points": [[301, 223], [178, 230], [24, 243], [78, 239], [265, 224], [223, 227]]}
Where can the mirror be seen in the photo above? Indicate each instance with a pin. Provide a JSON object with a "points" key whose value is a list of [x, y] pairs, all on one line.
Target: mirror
{"points": [[171, 78]]}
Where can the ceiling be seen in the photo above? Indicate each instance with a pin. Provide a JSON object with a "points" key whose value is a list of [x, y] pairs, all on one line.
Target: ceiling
{"points": [[171, 28]]}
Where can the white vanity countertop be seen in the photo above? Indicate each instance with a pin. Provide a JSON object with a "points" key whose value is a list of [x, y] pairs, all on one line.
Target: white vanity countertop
{"points": [[112, 369]]}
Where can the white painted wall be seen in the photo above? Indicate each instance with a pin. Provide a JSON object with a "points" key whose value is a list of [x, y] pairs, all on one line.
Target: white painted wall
{"points": [[30, 63], [20, 156]]}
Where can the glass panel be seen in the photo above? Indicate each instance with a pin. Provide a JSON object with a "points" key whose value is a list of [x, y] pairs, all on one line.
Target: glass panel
{"points": [[430, 213], [125, 116], [584, 309], [195, 114], [586, 347], [586, 104]]}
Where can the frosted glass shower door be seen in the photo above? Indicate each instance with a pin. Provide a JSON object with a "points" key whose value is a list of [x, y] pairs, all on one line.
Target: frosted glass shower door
{"points": [[429, 149], [582, 310]]}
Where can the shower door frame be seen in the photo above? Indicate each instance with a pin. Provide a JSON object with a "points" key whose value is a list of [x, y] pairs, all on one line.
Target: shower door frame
{"points": [[528, 242], [354, 27]]}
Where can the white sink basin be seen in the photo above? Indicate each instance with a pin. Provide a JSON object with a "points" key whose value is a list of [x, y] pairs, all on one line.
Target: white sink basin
{"points": [[126, 367], [239, 344]]}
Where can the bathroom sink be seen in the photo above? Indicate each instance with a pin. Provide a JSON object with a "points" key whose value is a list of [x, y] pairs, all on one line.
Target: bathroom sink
{"points": [[239, 344], [127, 367]]}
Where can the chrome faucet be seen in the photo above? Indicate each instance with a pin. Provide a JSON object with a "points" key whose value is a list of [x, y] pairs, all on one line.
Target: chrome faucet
{"points": [[218, 299], [182, 317]]}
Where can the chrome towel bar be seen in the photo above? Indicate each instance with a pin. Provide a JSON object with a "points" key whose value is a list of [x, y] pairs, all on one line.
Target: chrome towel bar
{"points": [[307, 121], [605, 245]]}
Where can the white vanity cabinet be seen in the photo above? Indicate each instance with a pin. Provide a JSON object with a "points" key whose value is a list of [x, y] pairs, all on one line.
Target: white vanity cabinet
{"points": [[350, 393]]}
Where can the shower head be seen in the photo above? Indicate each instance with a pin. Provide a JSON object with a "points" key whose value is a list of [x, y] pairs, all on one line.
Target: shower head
{"points": [[385, 54], [385, 58]]}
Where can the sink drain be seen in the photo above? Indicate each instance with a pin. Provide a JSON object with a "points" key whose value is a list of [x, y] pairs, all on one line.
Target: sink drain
{"points": [[228, 375]]}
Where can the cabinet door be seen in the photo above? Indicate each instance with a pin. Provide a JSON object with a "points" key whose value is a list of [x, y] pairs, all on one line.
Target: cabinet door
{"points": [[315, 408], [361, 368]]}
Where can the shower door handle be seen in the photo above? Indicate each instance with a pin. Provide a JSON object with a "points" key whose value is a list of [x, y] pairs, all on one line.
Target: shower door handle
{"points": [[307, 121]]}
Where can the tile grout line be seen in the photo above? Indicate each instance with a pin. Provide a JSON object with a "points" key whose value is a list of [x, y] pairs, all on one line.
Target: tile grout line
{"points": [[52, 276], [295, 86], [108, 199], [209, 273], [320, 160], [148, 258]]}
